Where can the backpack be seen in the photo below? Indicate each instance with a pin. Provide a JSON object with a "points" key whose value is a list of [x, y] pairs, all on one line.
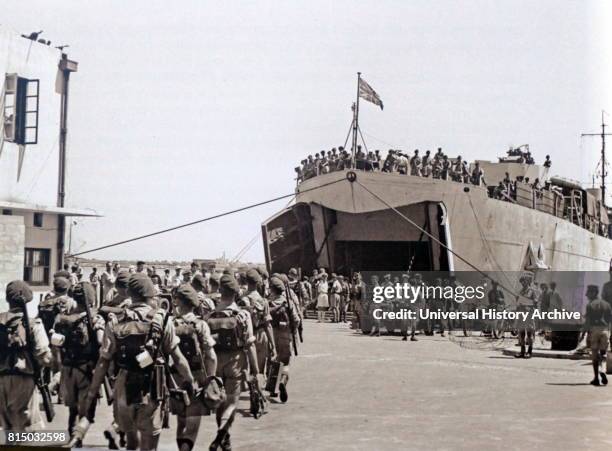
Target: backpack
{"points": [[132, 333], [77, 347], [225, 330], [47, 312], [280, 314], [189, 343], [13, 341]]}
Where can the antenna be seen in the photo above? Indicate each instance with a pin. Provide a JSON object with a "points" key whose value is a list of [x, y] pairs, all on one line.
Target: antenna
{"points": [[603, 174]]}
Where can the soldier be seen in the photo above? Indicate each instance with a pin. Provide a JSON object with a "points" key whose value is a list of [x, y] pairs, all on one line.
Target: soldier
{"points": [[284, 318], [306, 289], [55, 303], [597, 321], [112, 311], [426, 164], [526, 302], [77, 351], [294, 284], [206, 304], [334, 298], [137, 402], [232, 330], [213, 287], [107, 280], [358, 298], [121, 297], [344, 299], [177, 278], [415, 164], [414, 306], [19, 409], [140, 266], [322, 297], [196, 344], [94, 279], [371, 307], [262, 321], [195, 269]]}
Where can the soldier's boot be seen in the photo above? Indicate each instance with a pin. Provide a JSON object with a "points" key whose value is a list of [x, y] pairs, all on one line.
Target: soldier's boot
{"points": [[184, 444], [109, 434], [522, 354], [221, 442], [282, 387], [529, 351]]}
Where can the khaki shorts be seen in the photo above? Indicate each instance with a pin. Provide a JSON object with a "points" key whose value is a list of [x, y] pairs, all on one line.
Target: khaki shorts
{"points": [[282, 340], [19, 404], [261, 347], [231, 368], [144, 417], [599, 340], [74, 383]]}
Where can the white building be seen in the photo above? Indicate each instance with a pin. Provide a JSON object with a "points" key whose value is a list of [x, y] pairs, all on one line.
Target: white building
{"points": [[33, 132]]}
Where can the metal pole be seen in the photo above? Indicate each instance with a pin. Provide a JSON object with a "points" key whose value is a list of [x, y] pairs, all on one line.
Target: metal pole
{"points": [[356, 120], [603, 160], [66, 66]]}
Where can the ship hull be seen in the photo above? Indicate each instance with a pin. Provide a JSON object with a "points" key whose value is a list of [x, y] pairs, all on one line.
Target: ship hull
{"points": [[349, 219]]}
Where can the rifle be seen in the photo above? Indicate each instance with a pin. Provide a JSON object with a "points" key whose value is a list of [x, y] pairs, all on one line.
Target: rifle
{"points": [[165, 408], [298, 292], [38, 380], [108, 390], [292, 326]]}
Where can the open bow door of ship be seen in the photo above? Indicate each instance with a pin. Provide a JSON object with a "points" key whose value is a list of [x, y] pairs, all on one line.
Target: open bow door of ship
{"points": [[289, 241]]}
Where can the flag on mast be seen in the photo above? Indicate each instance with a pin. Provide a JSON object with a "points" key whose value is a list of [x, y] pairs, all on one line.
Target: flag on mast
{"points": [[367, 93]]}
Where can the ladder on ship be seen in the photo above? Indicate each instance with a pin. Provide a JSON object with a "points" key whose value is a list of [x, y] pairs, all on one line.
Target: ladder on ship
{"points": [[573, 207]]}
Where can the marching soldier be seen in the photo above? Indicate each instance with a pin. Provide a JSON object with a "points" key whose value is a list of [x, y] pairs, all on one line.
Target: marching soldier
{"points": [[111, 311], [77, 350], [232, 331], [138, 403], [196, 344], [48, 310], [284, 319], [213, 288], [55, 303], [121, 297], [262, 321], [206, 304], [19, 409]]}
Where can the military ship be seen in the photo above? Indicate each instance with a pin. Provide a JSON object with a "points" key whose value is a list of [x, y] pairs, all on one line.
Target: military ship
{"points": [[357, 220]]}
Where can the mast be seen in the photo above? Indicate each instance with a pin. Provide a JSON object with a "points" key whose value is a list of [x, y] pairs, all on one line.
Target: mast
{"points": [[356, 119], [603, 173], [603, 160]]}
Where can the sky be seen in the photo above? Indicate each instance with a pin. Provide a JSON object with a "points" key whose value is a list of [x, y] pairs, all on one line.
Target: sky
{"points": [[183, 111]]}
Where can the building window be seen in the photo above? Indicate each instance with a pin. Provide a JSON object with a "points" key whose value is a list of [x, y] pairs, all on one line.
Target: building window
{"points": [[38, 219], [7, 212], [37, 266], [21, 102]]}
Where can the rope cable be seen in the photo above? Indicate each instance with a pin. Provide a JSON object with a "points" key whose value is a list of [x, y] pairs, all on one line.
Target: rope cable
{"points": [[226, 213]]}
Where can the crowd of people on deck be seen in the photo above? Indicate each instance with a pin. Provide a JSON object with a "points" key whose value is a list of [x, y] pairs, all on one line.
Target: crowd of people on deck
{"points": [[437, 165]]}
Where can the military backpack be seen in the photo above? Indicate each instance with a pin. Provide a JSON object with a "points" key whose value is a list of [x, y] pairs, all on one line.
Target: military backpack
{"points": [[13, 342], [189, 343]]}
